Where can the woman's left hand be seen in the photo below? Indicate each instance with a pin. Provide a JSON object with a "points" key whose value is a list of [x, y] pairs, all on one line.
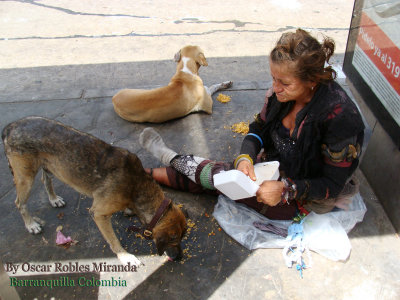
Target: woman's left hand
{"points": [[270, 192]]}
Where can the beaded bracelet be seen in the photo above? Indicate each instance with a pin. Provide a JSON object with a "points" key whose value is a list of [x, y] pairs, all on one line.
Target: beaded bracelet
{"points": [[242, 157], [289, 190]]}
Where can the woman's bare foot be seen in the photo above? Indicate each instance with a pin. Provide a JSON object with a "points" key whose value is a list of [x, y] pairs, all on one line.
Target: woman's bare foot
{"points": [[159, 175]]}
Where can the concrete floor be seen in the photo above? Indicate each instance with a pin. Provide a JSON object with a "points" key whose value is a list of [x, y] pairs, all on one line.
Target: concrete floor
{"points": [[65, 59]]}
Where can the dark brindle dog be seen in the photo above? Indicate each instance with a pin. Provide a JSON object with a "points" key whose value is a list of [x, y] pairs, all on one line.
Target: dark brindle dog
{"points": [[112, 176]]}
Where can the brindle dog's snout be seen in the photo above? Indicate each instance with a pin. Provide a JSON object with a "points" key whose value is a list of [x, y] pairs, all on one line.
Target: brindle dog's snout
{"points": [[175, 253]]}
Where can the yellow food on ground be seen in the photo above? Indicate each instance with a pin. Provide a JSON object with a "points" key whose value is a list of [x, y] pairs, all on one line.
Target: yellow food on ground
{"points": [[190, 223], [241, 127], [223, 98]]}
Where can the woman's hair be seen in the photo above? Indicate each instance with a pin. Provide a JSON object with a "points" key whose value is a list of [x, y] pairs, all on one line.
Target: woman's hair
{"points": [[307, 54]]}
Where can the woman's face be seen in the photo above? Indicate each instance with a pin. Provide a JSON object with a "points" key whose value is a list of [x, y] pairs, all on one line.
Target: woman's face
{"points": [[287, 87]]}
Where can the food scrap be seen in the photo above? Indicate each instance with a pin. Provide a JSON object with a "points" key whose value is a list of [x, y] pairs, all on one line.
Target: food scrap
{"points": [[241, 127], [61, 240], [190, 225], [223, 98]]}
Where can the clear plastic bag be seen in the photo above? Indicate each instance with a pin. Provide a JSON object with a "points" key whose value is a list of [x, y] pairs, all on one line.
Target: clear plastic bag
{"points": [[325, 234]]}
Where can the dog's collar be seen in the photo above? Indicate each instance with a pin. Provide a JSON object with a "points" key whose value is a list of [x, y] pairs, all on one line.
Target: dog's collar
{"points": [[148, 230]]}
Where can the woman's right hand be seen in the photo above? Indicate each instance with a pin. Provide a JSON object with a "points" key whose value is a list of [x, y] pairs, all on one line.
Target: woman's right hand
{"points": [[247, 168]]}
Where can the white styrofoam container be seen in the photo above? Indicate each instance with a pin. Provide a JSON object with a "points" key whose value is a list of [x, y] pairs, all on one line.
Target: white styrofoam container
{"points": [[266, 171], [236, 185]]}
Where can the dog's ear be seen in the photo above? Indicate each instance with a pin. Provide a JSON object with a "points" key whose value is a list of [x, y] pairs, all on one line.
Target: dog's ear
{"points": [[177, 56], [201, 59]]}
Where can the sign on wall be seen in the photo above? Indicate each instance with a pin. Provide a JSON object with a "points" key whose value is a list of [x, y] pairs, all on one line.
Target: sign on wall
{"points": [[372, 60]]}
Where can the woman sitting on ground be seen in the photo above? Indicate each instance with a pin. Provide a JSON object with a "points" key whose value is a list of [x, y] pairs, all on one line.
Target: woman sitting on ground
{"points": [[308, 123]]}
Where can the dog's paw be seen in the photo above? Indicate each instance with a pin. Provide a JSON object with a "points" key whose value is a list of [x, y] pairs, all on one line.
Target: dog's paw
{"points": [[35, 226], [126, 258], [57, 202], [226, 84]]}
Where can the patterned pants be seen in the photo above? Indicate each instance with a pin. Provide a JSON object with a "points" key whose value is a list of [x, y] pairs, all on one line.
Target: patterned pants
{"points": [[186, 173]]}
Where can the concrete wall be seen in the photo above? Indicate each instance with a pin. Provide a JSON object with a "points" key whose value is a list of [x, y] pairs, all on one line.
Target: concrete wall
{"points": [[381, 164]]}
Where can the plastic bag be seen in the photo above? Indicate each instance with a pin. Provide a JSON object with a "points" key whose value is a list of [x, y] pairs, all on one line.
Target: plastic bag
{"points": [[237, 220], [325, 234]]}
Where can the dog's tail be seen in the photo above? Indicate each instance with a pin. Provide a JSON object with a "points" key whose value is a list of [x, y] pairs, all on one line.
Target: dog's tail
{"points": [[4, 134]]}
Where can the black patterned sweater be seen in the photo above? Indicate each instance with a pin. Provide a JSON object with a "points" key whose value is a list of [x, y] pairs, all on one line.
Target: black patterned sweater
{"points": [[324, 148]]}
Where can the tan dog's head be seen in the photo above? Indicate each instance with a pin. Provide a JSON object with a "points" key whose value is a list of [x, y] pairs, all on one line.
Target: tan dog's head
{"points": [[193, 52], [168, 232]]}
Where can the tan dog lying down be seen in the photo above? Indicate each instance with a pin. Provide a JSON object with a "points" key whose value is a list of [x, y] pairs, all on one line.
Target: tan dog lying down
{"points": [[183, 95]]}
